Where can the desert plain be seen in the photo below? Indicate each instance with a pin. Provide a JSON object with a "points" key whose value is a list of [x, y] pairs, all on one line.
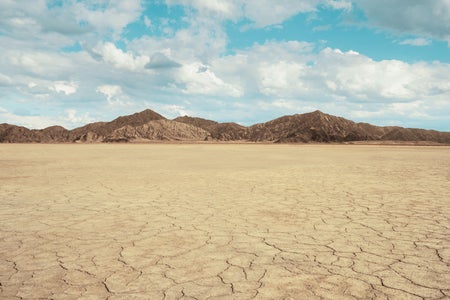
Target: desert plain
{"points": [[224, 221]]}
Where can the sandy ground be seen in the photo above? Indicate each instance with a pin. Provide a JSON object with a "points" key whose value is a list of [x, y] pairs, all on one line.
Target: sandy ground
{"points": [[224, 222]]}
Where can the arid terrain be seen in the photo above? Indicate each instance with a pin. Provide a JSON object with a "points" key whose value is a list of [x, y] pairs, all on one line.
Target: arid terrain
{"points": [[148, 126], [224, 221]]}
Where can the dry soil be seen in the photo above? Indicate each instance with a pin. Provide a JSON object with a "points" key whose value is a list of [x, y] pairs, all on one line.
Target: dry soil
{"points": [[224, 222]]}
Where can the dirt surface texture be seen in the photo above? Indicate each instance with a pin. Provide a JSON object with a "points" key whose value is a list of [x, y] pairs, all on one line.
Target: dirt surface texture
{"points": [[203, 221]]}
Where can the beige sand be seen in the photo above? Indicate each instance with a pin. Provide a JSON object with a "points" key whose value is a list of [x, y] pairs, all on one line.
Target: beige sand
{"points": [[224, 222]]}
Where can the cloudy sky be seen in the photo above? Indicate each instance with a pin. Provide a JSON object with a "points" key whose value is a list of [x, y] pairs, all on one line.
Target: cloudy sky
{"points": [[71, 62]]}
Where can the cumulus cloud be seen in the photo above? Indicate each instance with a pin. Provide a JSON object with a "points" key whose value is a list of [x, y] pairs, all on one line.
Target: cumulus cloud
{"points": [[113, 16], [266, 12], [5, 80], [109, 53], [25, 17], [109, 90], [175, 110], [147, 22], [224, 9], [113, 93], [160, 61], [205, 83], [69, 119], [416, 42], [65, 87], [420, 17], [261, 13], [340, 4], [74, 118], [334, 81]]}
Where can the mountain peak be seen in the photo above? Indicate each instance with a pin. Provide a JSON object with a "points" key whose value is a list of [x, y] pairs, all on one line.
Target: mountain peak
{"points": [[317, 112], [136, 119]]}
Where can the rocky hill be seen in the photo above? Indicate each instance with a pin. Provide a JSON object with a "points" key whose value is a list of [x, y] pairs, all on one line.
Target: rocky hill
{"points": [[19, 134], [219, 131], [158, 130], [315, 126], [151, 126], [97, 132]]}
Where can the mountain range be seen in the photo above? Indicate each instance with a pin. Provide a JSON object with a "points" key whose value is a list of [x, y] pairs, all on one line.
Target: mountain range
{"points": [[149, 126]]}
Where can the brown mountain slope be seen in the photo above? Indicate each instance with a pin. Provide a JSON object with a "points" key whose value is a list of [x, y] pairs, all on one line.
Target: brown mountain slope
{"points": [[413, 134], [160, 130], [54, 134], [19, 134], [228, 132], [199, 122], [315, 126], [219, 131], [95, 132]]}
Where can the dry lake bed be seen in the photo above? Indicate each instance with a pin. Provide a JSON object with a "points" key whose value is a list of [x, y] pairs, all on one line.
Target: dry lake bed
{"points": [[224, 222]]}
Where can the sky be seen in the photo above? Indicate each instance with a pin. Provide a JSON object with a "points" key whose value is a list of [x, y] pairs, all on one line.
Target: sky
{"points": [[69, 62]]}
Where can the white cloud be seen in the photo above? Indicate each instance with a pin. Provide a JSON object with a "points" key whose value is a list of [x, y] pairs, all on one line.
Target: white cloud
{"points": [[65, 87], [70, 119], [119, 59], [416, 42], [113, 17], [28, 17], [223, 9], [202, 40], [147, 22], [426, 18], [205, 82], [357, 76], [5, 80], [289, 77], [161, 61], [261, 13], [283, 79], [73, 118], [266, 12], [339, 4], [322, 28], [115, 96], [175, 110], [110, 91]]}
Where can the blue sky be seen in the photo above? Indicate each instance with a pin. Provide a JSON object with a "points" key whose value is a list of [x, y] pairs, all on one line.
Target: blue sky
{"points": [[386, 62]]}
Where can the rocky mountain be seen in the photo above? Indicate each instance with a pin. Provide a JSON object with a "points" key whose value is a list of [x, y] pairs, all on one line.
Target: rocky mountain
{"points": [[320, 127], [19, 134], [96, 132], [198, 122], [151, 126], [315, 126], [159, 130], [219, 131]]}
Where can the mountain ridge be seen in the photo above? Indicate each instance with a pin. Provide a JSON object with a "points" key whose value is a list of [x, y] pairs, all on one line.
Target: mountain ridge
{"points": [[148, 125]]}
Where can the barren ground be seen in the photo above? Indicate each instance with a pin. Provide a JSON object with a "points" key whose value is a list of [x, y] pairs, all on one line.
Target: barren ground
{"points": [[224, 221]]}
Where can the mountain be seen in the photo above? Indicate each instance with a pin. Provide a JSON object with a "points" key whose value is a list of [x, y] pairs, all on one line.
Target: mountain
{"points": [[19, 134], [312, 127], [150, 126], [198, 122], [159, 130], [95, 132], [219, 131], [320, 127]]}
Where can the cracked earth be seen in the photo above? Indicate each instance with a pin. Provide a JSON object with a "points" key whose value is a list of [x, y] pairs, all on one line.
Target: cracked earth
{"points": [[224, 222]]}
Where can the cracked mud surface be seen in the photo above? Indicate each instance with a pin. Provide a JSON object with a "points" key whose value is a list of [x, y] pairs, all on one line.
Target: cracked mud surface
{"points": [[224, 222]]}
